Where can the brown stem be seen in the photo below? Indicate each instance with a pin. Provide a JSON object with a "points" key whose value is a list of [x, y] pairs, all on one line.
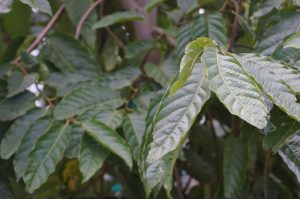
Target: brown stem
{"points": [[178, 183], [85, 16], [235, 26], [266, 173]]}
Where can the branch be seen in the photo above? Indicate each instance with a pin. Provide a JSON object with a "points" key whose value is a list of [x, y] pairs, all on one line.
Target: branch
{"points": [[266, 173], [85, 16], [235, 26]]}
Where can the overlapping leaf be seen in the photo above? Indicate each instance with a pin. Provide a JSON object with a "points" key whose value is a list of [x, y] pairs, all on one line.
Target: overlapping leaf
{"points": [[47, 153], [40, 5], [294, 41], [137, 47], [234, 88]]}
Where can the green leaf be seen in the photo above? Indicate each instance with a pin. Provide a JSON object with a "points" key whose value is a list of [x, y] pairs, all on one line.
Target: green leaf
{"points": [[109, 139], [266, 7], [193, 51], [290, 153], [118, 17], [75, 12], [138, 47], [280, 94], [206, 25], [152, 4], [293, 41], [164, 73], [16, 106], [18, 83], [168, 130], [40, 5], [110, 55], [234, 168], [47, 153], [134, 128], [13, 137], [68, 54], [84, 98], [285, 127], [76, 135], [91, 157], [5, 6], [187, 5], [28, 143], [234, 88]]}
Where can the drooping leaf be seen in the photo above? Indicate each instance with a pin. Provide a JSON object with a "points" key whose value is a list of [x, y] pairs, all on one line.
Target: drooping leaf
{"points": [[134, 128], [290, 153], [280, 94], [266, 6], [109, 139], [16, 106], [206, 25], [163, 141], [75, 12], [68, 54], [91, 157], [118, 17], [152, 4], [48, 151], [36, 130], [138, 47], [18, 83], [234, 167], [293, 41], [13, 137], [284, 126], [84, 98], [40, 5], [193, 51], [234, 88], [76, 135]]}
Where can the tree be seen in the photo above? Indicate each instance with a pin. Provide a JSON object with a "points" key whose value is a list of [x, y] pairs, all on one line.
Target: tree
{"points": [[150, 99]]}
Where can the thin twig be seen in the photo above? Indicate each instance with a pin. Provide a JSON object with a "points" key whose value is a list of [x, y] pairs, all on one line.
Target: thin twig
{"points": [[178, 183], [266, 173], [85, 16], [235, 26]]}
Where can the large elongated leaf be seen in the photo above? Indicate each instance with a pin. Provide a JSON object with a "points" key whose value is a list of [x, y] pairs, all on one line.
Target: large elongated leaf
{"points": [[16, 106], [118, 17], [91, 157], [47, 153], [284, 126], [294, 41], [207, 25], [234, 88], [74, 147], [13, 137], [234, 169], [290, 153], [280, 94], [21, 159], [40, 5], [138, 47], [109, 139], [134, 128], [193, 51], [84, 98], [152, 4], [174, 117]]}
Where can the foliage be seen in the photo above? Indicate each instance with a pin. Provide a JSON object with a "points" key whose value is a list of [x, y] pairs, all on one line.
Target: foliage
{"points": [[149, 99]]}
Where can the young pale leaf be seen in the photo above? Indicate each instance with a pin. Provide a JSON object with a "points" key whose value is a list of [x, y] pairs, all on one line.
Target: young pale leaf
{"points": [[47, 153], [118, 17], [134, 128], [234, 88], [85, 98], [172, 121], [91, 157], [294, 41], [13, 137], [280, 94], [109, 139], [16, 106], [193, 51], [234, 168], [285, 127], [40, 5], [152, 4], [36, 130], [290, 153], [18, 83]]}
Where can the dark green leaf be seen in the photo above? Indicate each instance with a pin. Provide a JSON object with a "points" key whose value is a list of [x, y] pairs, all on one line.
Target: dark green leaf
{"points": [[138, 47], [40, 5], [152, 4]]}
